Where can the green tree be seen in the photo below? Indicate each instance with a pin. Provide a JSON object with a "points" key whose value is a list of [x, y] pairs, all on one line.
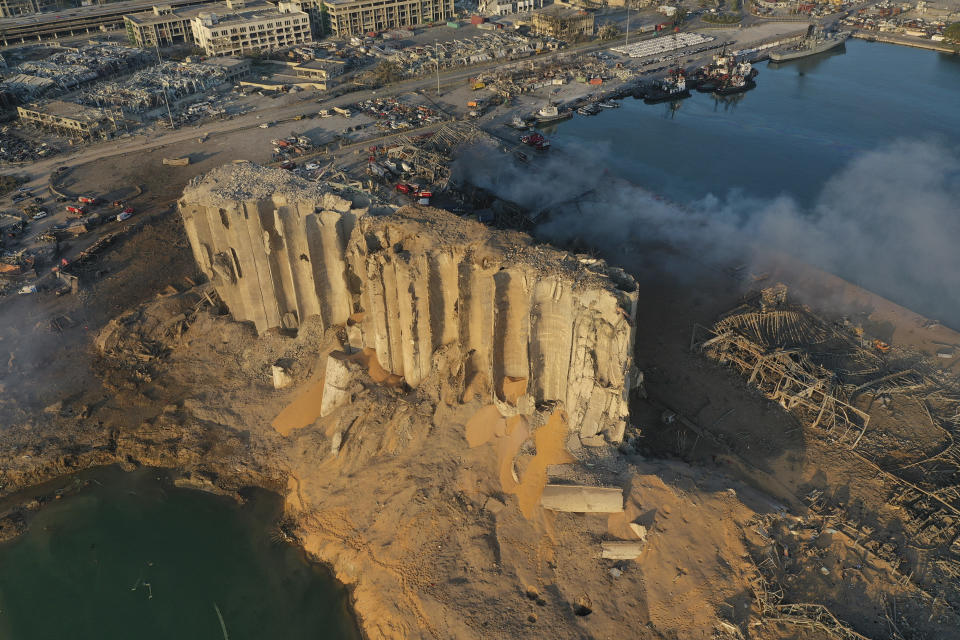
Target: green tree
{"points": [[952, 32], [608, 32]]}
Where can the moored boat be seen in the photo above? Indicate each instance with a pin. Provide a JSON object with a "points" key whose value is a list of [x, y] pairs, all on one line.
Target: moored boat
{"points": [[815, 41], [551, 113]]}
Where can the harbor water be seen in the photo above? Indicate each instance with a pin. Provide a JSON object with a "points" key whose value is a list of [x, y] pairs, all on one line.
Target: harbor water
{"points": [[805, 121], [131, 556], [848, 160]]}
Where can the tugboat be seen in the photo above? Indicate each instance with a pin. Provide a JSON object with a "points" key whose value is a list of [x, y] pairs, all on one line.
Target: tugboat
{"points": [[816, 41], [718, 74], [736, 83], [536, 141], [673, 87], [551, 113]]}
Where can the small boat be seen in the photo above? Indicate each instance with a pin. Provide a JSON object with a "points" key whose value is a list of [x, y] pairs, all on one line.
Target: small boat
{"points": [[589, 110], [609, 104], [551, 113]]}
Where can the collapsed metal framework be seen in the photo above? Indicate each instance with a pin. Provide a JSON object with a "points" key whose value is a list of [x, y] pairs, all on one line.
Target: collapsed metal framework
{"points": [[817, 370], [768, 595], [787, 376], [430, 155]]}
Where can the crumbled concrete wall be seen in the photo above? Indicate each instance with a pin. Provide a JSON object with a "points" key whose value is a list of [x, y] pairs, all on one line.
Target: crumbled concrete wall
{"points": [[418, 280]]}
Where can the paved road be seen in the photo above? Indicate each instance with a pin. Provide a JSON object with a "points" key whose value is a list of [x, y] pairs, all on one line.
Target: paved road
{"points": [[39, 171]]}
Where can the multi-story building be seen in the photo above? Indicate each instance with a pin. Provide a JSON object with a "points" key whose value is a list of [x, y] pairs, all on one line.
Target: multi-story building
{"points": [[163, 26], [65, 23], [247, 29], [356, 17], [507, 7], [563, 24], [69, 118], [318, 15], [13, 8], [223, 28]]}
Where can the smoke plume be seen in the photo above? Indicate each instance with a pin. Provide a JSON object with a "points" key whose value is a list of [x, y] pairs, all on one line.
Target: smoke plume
{"points": [[889, 221]]}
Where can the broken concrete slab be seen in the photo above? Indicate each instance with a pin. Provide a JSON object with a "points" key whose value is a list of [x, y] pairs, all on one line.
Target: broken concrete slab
{"points": [[336, 383], [621, 550], [582, 499], [281, 378]]}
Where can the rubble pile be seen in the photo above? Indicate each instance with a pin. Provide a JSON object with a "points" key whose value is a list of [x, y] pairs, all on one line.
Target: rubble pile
{"points": [[422, 59], [529, 76], [70, 68], [16, 149], [393, 114], [887, 17], [146, 89]]}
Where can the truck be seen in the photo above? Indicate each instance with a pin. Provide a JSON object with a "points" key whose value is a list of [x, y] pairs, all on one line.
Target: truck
{"points": [[77, 211], [88, 199]]}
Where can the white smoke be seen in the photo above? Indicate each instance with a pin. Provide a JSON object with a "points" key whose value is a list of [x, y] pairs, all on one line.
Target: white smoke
{"points": [[889, 221]]}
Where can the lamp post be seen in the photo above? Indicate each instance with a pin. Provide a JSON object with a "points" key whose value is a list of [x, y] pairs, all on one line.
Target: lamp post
{"points": [[628, 23], [436, 50]]}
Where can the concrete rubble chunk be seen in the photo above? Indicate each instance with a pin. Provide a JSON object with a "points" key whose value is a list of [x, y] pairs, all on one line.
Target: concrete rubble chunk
{"points": [[336, 384], [541, 326], [281, 378], [493, 505], [621, 550], [582, 499], [639, 530]]}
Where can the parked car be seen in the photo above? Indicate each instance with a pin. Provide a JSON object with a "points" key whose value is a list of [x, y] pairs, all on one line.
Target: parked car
{"points": [[38, 199], [123, 216], [40, 215]]}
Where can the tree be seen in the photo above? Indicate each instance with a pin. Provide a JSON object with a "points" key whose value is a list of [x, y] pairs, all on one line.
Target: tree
{"points": [[608, 32], [952, 32]]}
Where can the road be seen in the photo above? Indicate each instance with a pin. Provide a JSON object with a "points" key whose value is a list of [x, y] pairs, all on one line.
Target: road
{"points": [[38, 171]]}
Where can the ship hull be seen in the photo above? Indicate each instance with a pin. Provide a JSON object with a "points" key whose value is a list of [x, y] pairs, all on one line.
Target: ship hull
{"points": [[729, 91], [783, 56], [566, 115], [666, 97]]}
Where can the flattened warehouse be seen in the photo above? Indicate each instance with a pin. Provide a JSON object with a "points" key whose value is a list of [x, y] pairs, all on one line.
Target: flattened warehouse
{"points": [[69, 118]]}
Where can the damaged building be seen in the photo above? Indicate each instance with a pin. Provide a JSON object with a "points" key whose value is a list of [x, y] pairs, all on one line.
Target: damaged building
{"points": [[528, 324]]}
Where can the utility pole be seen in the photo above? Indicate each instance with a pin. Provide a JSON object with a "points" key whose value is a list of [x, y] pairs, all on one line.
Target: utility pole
{"points": [[436, 51], [156, 44], [628, 23]]}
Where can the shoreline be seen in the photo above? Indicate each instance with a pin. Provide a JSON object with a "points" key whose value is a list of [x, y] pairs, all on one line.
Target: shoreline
{"points": [[871, 36], [109, 480]]}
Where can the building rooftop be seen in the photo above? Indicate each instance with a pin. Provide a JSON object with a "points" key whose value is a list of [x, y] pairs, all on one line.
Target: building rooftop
{"points": [[226, 61], [227, 16], [321, 63], [111, 8], [220, 9], [28, 81]]}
